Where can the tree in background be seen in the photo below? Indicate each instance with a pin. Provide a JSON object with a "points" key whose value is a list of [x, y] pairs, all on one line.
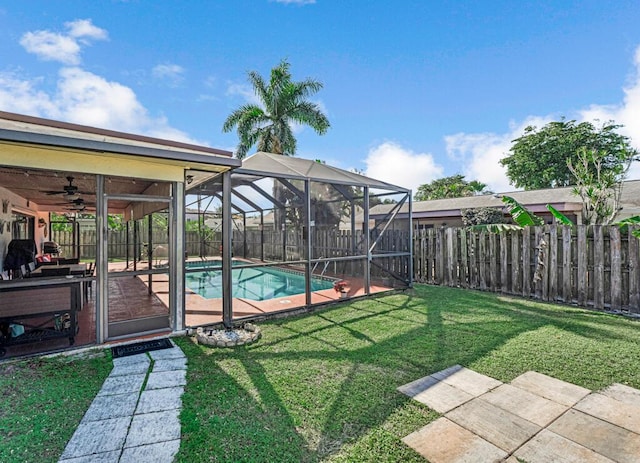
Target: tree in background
{"points": [[283, 102], [450, 187], [268, 125], [539, 158], [598, 186]]}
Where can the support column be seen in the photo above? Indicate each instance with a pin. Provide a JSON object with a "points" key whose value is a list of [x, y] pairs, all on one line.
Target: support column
{"points": [[102, 315], [227, 295], [176, 256], [367, 244], [410, 241], [307, 225]]}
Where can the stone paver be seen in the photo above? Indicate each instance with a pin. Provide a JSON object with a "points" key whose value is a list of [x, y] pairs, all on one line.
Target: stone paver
{"points": [[165, 354], [130, 369], [159, 400], [419, 385], [615, 412], [164, 379], [98, 437], [614, 442], [550, 388], [107, 457], [170, 364], [152, 453], [525, 404], [470, 382], [622, 393], [443, 441], [550, 447], [114, 385], [126, 424], [500, 427], [151, 428], [535, 418], [111, 406], [443, 397]]}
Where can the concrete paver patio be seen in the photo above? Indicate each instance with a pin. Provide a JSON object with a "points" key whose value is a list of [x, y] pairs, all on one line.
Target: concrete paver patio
{"points": [[535, 418]]}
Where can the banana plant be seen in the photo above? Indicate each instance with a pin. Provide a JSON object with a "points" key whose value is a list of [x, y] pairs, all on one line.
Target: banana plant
{"points": [[624, 224], [520, 214], [559, 216]]}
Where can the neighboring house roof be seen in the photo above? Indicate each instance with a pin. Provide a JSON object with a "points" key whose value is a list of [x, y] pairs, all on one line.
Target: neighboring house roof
{"points": [[562, 199]]}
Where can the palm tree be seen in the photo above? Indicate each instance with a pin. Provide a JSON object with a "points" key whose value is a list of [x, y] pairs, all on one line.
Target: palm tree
{"points": [[282, 103]]}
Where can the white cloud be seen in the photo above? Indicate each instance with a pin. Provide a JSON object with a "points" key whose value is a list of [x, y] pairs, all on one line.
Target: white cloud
{"points": [[480, 153], [173, 73], [81, 96], [50, 46], [392, 163], [85, 98], [64, 48], [625, 113], [22, 96], [245, 91], [84, 28]]}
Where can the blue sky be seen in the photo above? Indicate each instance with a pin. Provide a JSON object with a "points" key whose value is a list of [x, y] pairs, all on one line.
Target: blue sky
{"points": [[414, 90]]}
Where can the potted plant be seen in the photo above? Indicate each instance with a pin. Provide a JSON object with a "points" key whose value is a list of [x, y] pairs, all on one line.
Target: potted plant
{"points": [[340, 287]]}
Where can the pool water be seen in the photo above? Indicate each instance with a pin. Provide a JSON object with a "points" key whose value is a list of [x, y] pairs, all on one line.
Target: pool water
{"points": [[257, 284]]}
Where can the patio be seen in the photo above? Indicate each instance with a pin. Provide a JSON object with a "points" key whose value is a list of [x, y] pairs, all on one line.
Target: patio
{"points": [[535, 418]]}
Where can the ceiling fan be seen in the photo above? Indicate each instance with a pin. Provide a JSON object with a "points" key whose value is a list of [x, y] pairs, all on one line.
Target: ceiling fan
{"points": [[69, 191]]}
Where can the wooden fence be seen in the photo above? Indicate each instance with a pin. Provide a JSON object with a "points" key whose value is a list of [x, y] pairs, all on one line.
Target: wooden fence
{"points": [[591, 266]]}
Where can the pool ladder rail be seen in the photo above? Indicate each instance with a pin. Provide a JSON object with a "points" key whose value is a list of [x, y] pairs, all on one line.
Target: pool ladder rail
{"points": [[324, 269]]}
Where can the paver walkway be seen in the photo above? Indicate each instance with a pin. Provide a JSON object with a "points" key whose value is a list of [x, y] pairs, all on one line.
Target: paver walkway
{"points": [[535, 418], [128, 424]]}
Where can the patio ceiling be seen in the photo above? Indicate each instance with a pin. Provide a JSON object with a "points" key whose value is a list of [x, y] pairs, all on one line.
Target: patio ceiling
{"points": [[33, 186]]}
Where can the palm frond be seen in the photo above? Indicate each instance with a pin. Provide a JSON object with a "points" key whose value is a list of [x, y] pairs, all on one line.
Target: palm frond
{"points": [[310, 114]]}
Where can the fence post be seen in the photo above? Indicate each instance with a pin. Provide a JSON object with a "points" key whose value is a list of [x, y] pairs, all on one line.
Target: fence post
{"points": [[516, 262], [504, 263], [616, 268], [553, 263], [526, 262], [598, 267], [473, 260], [440, 256], [634, 271], [482, 257], [493, 262]]}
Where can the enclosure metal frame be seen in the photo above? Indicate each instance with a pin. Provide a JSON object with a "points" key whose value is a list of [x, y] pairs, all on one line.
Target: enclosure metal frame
{"points": [[224, 187]]}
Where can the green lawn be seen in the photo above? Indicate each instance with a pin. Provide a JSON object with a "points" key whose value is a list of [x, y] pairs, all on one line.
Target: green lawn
{"points": [[41, 403], [322, 387]]}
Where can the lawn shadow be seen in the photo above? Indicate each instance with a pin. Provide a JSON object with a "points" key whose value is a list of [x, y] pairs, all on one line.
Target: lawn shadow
{"points": [[352, 358]]}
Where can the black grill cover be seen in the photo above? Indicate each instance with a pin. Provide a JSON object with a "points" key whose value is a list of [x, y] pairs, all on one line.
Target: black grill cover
{"points": [[20, 252]]}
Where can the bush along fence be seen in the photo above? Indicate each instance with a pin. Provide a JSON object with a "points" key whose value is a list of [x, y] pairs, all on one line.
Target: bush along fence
{"points": [[593, 266]]}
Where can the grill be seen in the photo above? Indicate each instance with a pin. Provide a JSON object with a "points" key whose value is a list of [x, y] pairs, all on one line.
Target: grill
{"points": [[50, 247]]}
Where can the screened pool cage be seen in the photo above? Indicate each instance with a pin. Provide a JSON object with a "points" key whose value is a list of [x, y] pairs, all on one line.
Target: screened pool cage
{"points": [[299, 235]]}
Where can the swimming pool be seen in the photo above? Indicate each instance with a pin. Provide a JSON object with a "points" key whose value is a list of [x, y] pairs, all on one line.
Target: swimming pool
{"points": [[256, 284]]}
